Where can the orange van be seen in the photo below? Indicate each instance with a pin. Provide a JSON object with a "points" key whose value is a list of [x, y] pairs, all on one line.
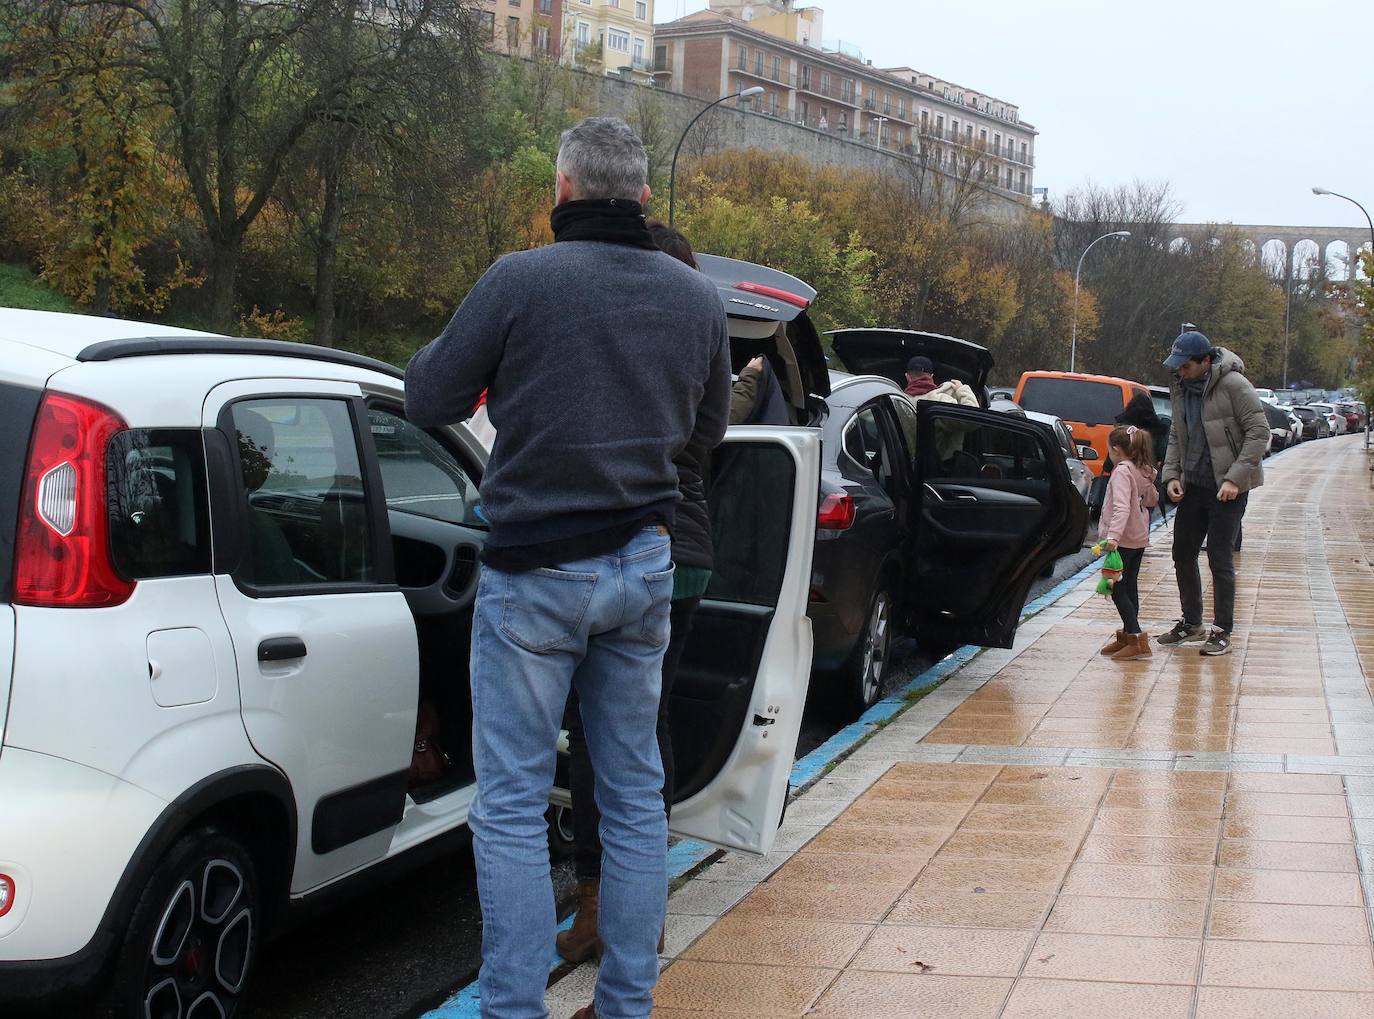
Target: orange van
{"points": [[1088, 404]]}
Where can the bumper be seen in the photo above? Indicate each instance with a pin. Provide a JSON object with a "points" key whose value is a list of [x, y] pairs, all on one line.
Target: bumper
{"points": [[68, 837]]}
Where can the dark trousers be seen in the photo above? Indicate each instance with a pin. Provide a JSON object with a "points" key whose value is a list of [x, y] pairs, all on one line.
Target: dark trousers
{"points": [[1202, 517], [1126, 591], [581, 777]]}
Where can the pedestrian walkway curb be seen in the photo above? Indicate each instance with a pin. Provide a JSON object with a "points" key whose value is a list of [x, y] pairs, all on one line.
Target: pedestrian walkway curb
{"points": [[686, 856]]}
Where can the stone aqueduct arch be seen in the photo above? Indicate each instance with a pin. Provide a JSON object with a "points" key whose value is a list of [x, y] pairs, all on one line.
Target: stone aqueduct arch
{"points": [[1268, 240]]}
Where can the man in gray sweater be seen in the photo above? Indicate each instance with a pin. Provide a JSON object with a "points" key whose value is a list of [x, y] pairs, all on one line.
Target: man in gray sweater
{"points": [[602, 358]]}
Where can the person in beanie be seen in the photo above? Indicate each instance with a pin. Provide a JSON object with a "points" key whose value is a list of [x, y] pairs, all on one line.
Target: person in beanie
{"points": [[576, 585], [1217, 439], [920, 376]]}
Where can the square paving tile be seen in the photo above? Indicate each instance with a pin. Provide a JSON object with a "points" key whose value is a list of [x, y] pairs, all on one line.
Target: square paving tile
{"points": [[848, 868], [872, 995], [735, 988], [1197, 852], [815, 900], [974, 877], [1286, 804], [1273, 855], [955, 909], [1293, 966], [774, 941], [1269, 921], [1096, 914], [1132, 960], [944, 951], [1139, 881], [1278, 828], [1081, 999], [1312, 887], [1246, 1003]]}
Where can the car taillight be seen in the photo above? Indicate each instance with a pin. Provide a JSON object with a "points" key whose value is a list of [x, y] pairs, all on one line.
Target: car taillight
{"points": [[6, 893], [837, 512], [62, 551]]}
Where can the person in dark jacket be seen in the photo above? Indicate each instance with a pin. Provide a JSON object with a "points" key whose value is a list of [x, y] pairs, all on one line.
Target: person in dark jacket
{"points": [[692, 554]]}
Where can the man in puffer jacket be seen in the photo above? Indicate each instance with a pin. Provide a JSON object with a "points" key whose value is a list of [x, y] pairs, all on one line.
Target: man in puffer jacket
{"points": [[1218, 437]]}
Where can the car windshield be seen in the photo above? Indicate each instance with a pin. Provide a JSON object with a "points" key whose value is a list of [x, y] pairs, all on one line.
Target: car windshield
{"points": [[1092, 403]]}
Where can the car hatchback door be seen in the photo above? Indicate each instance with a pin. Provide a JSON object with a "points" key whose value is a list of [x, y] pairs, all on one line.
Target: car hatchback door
{"points": [[736, 706], [992, 510], [325, 642]]}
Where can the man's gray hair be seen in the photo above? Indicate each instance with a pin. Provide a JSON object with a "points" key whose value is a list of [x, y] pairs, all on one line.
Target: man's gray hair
{"points": [[602, 157]]}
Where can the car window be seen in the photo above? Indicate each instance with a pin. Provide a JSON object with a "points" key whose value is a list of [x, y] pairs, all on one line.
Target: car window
{"points": [[906, 420], [157, 503], [863, 441], [1066, 439], [1092, 403], [973, 451], [421, 476], [750, 499], [307, 517]]}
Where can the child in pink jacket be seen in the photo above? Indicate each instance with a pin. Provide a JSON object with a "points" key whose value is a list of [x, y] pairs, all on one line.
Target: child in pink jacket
{"points": [[1125, 526]]}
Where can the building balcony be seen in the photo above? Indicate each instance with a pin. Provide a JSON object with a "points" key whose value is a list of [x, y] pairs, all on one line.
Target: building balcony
{"points": [[765, 73]]}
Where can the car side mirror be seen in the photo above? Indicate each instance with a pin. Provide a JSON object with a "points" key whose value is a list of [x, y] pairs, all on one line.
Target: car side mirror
{"points": [[1087, 453]]}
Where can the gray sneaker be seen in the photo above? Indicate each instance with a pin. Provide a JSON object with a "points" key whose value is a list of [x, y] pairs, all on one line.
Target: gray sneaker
{"points": [[1218, 643], [1183, 633]]}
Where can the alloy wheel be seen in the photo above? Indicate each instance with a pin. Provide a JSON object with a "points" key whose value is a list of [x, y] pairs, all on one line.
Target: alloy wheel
{"points": [[199, 956], [877, 644]]}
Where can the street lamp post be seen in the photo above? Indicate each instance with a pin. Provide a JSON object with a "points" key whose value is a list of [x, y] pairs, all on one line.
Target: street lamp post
{"points": [[1355, 268], [747, 93], [878, 123], [1073, 345]]}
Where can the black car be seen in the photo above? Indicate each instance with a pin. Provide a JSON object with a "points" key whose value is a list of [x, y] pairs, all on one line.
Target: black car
{"points": [[1314, 424], [933, 518]]}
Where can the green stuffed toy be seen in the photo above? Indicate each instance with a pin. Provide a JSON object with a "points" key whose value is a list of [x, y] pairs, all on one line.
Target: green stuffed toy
{"points": [[1112, 568]]}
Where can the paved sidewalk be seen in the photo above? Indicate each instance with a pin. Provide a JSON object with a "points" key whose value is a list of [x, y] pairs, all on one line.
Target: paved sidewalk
{"points": [[1050, 834]]}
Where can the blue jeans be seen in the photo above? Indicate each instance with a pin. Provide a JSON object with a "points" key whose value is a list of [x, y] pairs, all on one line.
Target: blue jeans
{"points": [[600, 626]]}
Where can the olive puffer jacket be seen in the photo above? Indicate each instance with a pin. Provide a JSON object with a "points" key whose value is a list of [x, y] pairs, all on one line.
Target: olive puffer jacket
{"points": [[1237, 430]]}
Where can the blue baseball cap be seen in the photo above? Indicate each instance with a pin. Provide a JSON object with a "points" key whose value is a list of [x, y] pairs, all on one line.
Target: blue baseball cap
{"points": [[1188, 346]]}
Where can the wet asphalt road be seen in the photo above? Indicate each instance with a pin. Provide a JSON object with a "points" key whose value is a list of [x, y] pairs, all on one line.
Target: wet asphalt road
{"points": [[407, 945]]}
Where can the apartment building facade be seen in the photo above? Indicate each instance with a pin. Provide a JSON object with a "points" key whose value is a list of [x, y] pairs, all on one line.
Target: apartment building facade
{"points": [[608, 36], [959, 130]]}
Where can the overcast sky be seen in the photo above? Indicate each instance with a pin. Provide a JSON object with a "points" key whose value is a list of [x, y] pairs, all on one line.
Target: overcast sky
{"points": [[1241, 106]]}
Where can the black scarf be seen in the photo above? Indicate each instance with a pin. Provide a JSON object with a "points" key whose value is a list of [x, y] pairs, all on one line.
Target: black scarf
{"points": [[613, 220]]}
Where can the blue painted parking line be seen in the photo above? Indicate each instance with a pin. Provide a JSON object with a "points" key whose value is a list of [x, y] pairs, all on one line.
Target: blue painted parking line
{"points": [[686, 856]]}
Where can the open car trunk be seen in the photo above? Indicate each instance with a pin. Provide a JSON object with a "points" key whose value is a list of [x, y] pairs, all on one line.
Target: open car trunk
{"points": [[885, 352]]}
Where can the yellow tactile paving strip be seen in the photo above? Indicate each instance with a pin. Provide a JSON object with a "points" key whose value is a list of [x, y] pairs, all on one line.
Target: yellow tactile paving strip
{"points": [[963, 890], [1015, 890]]}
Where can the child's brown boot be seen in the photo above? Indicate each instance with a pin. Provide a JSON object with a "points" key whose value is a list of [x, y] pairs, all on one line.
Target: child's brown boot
{"points": [[1137, 647], [1116, 644]]}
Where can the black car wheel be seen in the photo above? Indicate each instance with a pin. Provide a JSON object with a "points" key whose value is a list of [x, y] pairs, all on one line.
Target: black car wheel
{"points": [[867, 665], [193, 940]]}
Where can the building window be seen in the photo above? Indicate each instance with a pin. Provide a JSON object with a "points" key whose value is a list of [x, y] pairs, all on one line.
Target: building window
{"points": [[512, 32], [1021, 182], [660, 58], [983, 135], [545, 6], [486, 22], [805, 111], [641, 10], [825, 83], [743, 57], [584, 34], [541, 38], [758, 63], [1008, 178], [638, 53], [901, 107], [513, 3], [618, 40], [1023, 153], [777, 69]]}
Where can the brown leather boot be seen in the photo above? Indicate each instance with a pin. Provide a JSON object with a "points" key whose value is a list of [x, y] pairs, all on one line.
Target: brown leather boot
{"points": [[1116, 644], [580, 942], [585, 1012], [1137, 648]]}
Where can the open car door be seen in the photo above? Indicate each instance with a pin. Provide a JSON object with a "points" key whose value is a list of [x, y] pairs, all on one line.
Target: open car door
{"points": [[736, 706], [992, 510]]}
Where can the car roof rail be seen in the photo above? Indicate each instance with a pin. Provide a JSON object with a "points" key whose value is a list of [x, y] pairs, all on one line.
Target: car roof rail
{"points": [[148, 346]]}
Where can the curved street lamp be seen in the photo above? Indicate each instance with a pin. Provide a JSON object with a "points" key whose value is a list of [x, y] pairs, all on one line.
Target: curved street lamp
{"points": [[1354, 273], [1073, 346], [747, 93]]}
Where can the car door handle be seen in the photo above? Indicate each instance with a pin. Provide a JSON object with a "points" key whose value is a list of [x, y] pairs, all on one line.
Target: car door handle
{"points": [[281, 649]]}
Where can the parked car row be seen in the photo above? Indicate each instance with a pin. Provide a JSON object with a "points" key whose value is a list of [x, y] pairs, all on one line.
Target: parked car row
{"points": [[231, 571]]}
